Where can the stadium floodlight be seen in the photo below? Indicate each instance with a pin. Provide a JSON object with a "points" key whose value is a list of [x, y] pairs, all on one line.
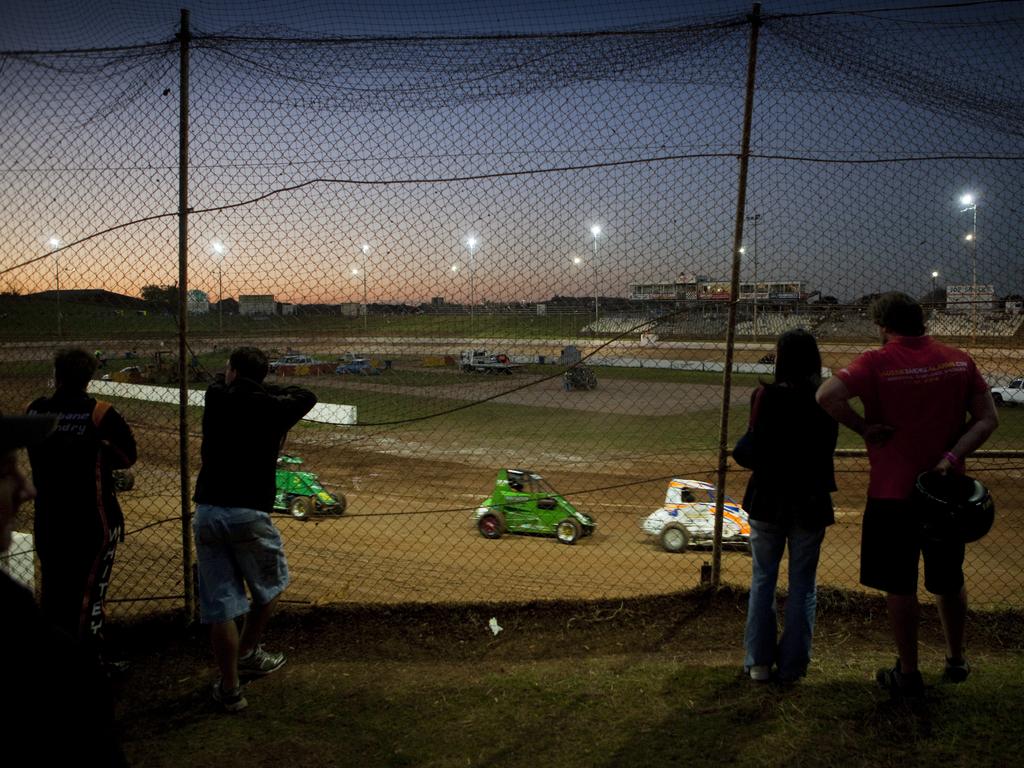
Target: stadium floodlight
{"points": [[54, 243], [754, 218], [219, 252], [595, 230], [471, 243], [365, 248], [935, 276], [970, 203]]}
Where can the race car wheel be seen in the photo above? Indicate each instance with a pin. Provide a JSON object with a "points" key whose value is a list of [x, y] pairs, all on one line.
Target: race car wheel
{"points": [[490, 527], [301, 507], [997, 398], [568, 531], [674, 538], [339, 508]]}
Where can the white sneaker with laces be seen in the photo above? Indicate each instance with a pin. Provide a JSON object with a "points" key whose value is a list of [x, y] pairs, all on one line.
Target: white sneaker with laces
{"points": [[260, 662]]}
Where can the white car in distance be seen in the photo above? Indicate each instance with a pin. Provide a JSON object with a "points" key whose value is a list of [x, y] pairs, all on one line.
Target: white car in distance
{"points": [[1011, 394]]}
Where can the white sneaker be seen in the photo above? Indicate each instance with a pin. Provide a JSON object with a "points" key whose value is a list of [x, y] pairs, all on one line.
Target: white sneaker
{"points": [[762, 673], [260, 662]]}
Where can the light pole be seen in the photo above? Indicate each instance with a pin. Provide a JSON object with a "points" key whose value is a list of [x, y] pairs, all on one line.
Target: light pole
{"points": [[577, 262], [54, 243], [471, 244], [596, 232], [743, 252], [454, 269], [971, 204], [219, 249], [365, 248], [935, 276], [755, 218]]}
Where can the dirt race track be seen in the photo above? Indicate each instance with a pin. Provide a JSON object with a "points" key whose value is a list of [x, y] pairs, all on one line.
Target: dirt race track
{"points": [[613, 396], [403, 541], [408, 534]]}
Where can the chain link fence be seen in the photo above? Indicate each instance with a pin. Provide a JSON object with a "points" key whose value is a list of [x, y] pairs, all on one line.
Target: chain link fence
{"points": [[430, 231]]}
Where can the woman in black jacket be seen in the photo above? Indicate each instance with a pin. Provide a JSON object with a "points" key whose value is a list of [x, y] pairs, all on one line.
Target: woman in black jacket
{"points": [[789, 447]]}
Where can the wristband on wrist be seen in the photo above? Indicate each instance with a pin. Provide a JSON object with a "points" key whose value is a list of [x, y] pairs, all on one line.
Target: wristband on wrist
{"points": [[953, 459]]}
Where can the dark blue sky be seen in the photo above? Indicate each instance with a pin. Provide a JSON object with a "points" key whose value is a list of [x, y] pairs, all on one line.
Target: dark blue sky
{"points": [[31, 24], [897, 87]]}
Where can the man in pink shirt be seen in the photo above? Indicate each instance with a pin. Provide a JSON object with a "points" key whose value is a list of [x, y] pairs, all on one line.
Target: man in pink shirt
{"points": [[926, 407]]}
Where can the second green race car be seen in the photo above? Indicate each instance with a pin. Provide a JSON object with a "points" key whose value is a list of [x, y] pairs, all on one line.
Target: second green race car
{"points": [[522, 502]]}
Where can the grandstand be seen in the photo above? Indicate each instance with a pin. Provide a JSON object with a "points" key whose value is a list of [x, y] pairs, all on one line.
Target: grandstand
{"points": [[957, 324], [853, 324], [776, 323], [614, 325], [711, 326], [848, 323]]}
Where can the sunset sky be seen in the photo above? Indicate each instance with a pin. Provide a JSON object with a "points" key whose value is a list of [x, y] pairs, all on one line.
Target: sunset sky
{"points": [[412, 146]]}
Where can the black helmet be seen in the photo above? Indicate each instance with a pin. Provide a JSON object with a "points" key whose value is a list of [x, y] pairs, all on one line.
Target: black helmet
{"points": [[953, 507]]}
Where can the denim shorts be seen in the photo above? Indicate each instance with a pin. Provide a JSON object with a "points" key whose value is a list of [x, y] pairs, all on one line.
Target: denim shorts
{"points": [[236, 547], [892, 546]]}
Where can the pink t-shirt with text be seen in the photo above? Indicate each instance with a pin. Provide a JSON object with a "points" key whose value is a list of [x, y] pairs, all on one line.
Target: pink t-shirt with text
{"points": [[922, 389]]}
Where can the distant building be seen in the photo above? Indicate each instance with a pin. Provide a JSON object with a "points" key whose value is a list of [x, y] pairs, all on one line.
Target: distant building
{"points": [[698, 287], [227, 306], [350, 309], [285, 309], [257, 304], [961, 298], [197, 303], [685, 286]]}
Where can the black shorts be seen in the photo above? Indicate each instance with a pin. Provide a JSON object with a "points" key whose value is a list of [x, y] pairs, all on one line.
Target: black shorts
{"points": [[891, 545]]}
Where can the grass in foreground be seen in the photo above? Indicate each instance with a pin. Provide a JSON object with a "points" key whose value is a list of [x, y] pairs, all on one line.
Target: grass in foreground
{"points": [[642, 683]]}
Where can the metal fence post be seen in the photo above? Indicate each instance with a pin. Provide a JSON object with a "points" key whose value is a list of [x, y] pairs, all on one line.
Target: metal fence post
{"points": [[730, 335], [185, 38]]}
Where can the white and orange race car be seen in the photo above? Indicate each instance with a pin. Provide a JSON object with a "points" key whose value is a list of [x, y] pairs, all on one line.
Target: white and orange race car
{"points": [[688, 518]]}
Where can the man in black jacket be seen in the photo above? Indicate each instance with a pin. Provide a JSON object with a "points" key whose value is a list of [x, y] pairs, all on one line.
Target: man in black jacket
{"points": [[244, 427], [78, 520]]}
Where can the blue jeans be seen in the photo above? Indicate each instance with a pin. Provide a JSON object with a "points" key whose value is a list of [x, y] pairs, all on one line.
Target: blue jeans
{"points": [[792, 652]]}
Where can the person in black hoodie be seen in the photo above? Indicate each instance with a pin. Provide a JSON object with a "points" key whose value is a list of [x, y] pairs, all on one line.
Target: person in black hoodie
{"points": [[245, 423], [78, 521], [789, 446]]}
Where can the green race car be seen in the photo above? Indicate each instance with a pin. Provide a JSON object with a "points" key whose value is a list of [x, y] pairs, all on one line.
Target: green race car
{"points": [[522, 502], [300, 493]]}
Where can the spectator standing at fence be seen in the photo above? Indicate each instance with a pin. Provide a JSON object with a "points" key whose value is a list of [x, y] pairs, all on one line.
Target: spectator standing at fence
{"points": [[926, 407], [78, 521], [244, 426], [789, 447], [56, 700]]}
